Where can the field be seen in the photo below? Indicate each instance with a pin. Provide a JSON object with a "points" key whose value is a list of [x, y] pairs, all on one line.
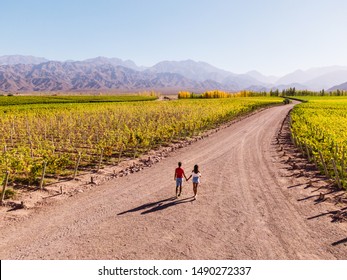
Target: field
{"points": [[60, 136], [252, 203], [319, 128], [29, 100]]}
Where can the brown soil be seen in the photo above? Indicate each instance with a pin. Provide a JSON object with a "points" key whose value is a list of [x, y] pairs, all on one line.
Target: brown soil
{"points": [[258, 199]]}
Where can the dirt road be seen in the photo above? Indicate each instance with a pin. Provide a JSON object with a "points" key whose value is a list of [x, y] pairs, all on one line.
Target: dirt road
{"points": [[249, 206]]}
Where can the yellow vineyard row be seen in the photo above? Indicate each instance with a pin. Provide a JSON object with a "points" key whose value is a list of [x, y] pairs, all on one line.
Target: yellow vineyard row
{"points": [[319, 128], [60, 135]]}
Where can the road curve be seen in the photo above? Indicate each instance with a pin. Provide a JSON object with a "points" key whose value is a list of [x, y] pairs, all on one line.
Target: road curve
{"points": [[245, 209]]}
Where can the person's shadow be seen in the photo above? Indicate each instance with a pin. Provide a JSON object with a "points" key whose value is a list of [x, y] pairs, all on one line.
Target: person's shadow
{"points": [[158, 205]]}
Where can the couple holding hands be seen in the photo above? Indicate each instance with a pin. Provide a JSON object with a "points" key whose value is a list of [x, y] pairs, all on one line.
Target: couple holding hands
{"points": [[179, 173]]}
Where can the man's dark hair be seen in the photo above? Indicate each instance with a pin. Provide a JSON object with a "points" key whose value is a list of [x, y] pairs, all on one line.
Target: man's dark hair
{"points": [[179, 164]]}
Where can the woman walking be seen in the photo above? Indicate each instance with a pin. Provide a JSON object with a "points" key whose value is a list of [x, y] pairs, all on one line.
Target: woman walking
{"points": [[196, 179]]}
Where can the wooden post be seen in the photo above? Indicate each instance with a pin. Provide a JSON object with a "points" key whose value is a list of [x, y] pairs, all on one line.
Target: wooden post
{"points": [[296, 142], [336, 151], [92, 180], [135, 152], [43, 174], [11, 137], [343, 166], [324, 165], [45, 132], [76, 165], [13, 131], [291, 134], [315, 161], [308, 153], [31, 149], [120, 153], [4, 187], [301, 148], [337, 177], [101, 154]]}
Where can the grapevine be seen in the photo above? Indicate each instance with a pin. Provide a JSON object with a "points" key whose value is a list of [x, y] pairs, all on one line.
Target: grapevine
{"points": [[61, 136]]}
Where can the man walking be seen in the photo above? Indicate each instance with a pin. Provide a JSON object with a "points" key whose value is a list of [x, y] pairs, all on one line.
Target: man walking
{"points": [[179, 173]]}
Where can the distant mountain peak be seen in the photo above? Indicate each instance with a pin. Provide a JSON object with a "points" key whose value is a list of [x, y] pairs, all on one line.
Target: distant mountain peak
{"points": [[262, 78], [88, 76], [28, 73], [316, 78], [114, 61], [21, 59], [342, 86]]}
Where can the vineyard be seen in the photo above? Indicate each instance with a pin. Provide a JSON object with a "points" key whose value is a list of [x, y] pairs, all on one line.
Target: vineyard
{"points": [[319, 129], [29, 100], [58, 140]]}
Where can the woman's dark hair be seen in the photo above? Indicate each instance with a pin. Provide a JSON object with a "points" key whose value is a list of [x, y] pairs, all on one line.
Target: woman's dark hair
{"points": [[196, 169]]}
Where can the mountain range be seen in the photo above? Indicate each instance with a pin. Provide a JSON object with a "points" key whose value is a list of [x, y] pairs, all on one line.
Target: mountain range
{"points": [[29, 73]]}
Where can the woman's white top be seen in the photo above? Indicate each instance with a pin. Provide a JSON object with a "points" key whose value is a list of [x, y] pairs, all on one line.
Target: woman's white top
{"points": [[196, 175]]}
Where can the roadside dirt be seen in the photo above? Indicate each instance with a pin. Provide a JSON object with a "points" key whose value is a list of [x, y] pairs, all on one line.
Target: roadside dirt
{"points": [[258, 199]]}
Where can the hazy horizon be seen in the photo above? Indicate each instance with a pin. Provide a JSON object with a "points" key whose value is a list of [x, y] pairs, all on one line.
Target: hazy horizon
{"points": [[272, 37], [149, 66]]}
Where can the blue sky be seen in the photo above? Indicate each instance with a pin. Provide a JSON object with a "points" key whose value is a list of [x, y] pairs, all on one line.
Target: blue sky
{"points": [[273, 37]]}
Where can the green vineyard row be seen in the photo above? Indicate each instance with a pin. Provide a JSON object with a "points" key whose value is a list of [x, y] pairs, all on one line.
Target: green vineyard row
{"points": [[58, 99]]}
